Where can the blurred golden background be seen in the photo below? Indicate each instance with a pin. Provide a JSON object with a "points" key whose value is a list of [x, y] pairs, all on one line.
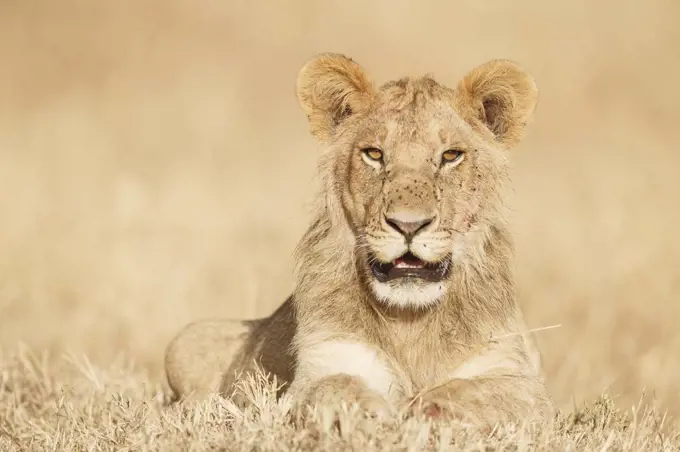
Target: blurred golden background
{"points": [[155, 167]]}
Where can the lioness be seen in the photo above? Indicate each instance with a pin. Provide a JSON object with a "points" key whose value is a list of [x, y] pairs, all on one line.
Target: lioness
{"points": [[404, 288]]}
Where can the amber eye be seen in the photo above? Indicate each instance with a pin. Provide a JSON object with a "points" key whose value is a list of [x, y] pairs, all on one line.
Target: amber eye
{"points": [[373, 154], [452, 156]]}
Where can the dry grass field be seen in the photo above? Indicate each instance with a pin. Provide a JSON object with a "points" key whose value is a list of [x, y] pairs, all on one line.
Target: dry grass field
{"points": [[155, 168]]}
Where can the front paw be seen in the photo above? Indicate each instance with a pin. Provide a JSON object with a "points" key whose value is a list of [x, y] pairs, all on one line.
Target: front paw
{"points": [[434, 408], [445, 406], [332, 393], [365, 400], [373, 404]]}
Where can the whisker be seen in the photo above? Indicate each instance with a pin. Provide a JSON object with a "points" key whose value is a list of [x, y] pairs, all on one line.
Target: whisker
{"points": [[362, 246], [445, 263], [469, 231]]}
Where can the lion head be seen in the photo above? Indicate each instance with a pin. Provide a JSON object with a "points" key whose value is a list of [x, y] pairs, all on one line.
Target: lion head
{"points": [[415, 170]]}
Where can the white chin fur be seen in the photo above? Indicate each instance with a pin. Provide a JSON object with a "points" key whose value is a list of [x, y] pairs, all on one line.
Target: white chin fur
{"points": [[409, 295]]}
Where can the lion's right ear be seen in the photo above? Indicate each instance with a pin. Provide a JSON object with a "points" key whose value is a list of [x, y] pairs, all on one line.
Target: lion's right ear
{"points": [[331, 88], [502, 96]]}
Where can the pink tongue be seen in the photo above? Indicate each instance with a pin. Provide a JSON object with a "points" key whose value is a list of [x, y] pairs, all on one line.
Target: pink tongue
{"points": [[406, 261]]}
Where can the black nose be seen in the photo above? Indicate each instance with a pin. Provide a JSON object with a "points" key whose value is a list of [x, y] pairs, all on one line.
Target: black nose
{"points": [[408, 229]]}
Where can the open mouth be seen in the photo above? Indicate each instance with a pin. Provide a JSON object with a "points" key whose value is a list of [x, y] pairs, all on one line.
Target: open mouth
{"points": [[410, 266]]}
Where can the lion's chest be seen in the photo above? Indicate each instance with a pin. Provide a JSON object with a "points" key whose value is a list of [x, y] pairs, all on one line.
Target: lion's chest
{"points": [[392, 373], [419, 366], [406, 367]]}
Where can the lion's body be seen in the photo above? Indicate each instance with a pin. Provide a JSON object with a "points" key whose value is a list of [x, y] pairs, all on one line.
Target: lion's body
{"points": [[208, 356], [454, 337]]}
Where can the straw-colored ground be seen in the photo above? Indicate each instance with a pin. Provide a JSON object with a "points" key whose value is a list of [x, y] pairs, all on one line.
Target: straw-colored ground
{"points": [[155, 168]]}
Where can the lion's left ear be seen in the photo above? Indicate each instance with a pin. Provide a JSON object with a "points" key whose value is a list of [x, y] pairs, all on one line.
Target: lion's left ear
{"points": [[330, 88], [502, 96]]}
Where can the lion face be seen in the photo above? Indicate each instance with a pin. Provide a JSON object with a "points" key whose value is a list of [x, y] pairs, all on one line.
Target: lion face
{"points": [[418, 168], [419, 180]]}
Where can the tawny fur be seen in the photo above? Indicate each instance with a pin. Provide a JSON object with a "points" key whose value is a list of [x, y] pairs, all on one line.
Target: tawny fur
{"points": [[460, 345]]}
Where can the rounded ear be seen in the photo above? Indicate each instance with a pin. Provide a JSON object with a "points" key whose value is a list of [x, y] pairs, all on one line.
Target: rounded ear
{"points": [[330, 88], [502, 96]]}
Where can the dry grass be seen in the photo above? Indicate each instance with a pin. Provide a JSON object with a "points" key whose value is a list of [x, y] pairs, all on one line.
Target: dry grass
{"points": [[72, 405], [155, 168]]}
